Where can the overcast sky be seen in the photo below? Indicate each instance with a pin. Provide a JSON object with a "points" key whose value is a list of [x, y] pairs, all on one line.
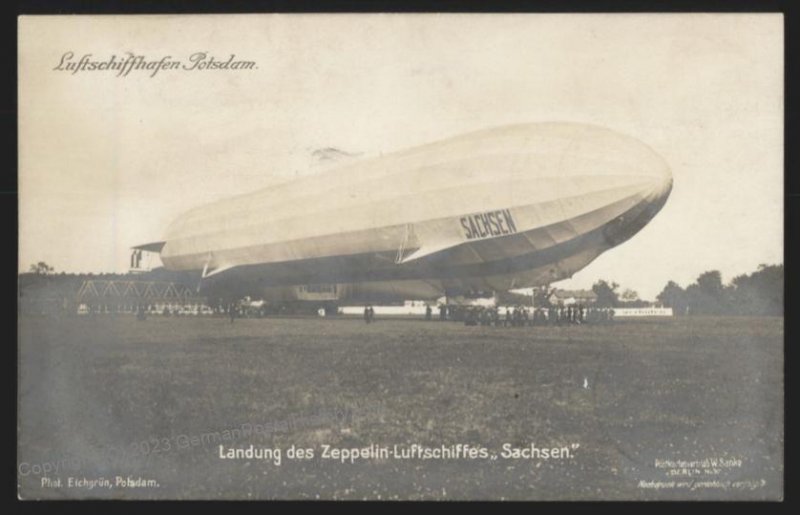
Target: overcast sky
{"points": [[108, 162]]}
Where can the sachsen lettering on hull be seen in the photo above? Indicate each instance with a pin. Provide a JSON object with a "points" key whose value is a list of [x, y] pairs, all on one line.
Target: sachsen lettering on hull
{"points": [[484, 225]]}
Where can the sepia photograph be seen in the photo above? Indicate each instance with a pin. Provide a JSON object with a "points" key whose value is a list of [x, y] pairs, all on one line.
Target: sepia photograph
{"points": [[502, 257]]}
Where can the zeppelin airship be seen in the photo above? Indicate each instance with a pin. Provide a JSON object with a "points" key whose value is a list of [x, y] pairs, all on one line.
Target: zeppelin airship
{"points": [[499, 209]]}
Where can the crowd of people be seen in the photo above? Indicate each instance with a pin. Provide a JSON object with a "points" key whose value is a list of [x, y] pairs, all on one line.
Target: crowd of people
{"points": [[506, 316]]}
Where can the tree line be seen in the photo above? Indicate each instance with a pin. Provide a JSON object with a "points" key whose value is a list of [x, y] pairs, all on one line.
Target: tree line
{"points": [[757, 293], [609, 297]]}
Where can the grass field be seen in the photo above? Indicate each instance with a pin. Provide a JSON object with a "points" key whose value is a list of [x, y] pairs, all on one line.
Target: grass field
{"points": [[154, 399]]}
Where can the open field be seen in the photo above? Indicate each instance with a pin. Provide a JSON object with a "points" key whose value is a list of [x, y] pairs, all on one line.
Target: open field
{"points": [[154, 399]]}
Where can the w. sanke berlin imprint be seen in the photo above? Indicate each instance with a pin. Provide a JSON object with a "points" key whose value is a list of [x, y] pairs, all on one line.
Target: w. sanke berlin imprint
{"points": [[129, 62]]}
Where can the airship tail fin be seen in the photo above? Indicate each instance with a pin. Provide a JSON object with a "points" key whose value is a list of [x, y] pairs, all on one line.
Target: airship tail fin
{"points": [[155, 246], [426, 250], [208, 272]]}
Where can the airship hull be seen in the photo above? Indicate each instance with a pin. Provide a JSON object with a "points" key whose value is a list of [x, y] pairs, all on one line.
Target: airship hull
{"points": [[495, 210]]}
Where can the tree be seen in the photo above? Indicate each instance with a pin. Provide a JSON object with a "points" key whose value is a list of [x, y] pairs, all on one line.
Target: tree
{"points": [[41, 268], [629, 295], [630, 299], [760, 293], [710, 283], [708, 296], [607, 296], [673, 296]]}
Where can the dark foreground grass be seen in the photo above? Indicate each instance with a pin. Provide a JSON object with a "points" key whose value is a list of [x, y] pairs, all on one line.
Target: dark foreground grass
{"points": [[111, 397]]}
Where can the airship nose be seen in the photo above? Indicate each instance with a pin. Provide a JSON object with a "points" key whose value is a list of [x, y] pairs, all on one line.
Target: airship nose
{"points": [[656, 185], [660, 181], [601, 159], [625, 160]]}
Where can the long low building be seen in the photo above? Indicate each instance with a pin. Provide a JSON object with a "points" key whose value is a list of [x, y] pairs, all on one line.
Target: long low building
{"points": [[643, 312]]}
